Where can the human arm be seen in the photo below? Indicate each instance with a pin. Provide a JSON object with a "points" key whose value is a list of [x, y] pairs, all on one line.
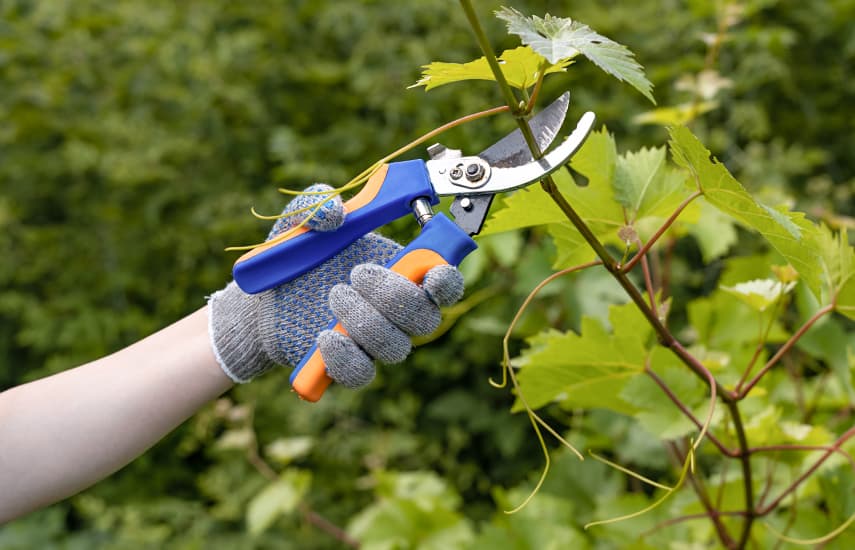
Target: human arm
{"points": [[63, 433]]}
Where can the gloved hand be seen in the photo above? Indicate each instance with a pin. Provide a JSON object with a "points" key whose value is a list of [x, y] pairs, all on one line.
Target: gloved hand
{"points": [[379, 309]]}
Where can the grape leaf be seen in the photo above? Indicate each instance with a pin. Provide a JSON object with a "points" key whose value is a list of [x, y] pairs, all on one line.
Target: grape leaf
{"points": [[278, 498], [838, 262], [586, 369], [571, 248], [530, 206], [559, 38], [520, 67], [790, 233], [657, 414], [714, 232], [645, 185]]}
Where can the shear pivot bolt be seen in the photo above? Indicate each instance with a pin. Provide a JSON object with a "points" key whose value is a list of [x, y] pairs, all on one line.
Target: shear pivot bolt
{"points": [[474, 172]]}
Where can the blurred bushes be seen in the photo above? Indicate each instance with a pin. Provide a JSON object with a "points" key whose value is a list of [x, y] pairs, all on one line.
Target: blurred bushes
{"points": [[135, 136]]}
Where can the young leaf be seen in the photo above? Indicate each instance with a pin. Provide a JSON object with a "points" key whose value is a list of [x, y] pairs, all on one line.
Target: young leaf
{"points": [[559, 38], [656, 413], [838, 261], [586, 369], [520, 67], [789, 233], [715, 231], [645, 185]]}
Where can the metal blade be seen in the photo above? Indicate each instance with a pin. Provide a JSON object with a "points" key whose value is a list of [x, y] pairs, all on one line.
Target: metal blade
{"points": [[512, 149], [473, 176]]}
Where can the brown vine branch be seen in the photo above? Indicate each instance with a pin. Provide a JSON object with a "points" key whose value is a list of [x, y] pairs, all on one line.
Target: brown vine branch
{"points": [[747, 478], [255, 459], [690, 517], [688, 413], [762, 338], [807, 473], [703, 497], [774, 448], [666, 338], [659, 232], [738, 395]]}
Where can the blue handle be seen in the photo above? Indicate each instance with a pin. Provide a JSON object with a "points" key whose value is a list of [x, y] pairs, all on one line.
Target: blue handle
{"points": [[386, 197], [441, 241]]}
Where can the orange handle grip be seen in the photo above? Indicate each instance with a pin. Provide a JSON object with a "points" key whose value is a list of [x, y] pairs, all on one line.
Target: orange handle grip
{"points": [[310, 381]]}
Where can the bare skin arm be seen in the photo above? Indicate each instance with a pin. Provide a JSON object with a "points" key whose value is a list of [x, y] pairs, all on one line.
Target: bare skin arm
{"points": [[61, 434]]}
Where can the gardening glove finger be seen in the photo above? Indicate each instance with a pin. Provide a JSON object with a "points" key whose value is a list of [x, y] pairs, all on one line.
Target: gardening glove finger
{"points": [[380, 309]]}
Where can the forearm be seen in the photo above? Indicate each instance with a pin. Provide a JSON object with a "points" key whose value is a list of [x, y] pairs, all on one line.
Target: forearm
{"points": [[63, 433]]}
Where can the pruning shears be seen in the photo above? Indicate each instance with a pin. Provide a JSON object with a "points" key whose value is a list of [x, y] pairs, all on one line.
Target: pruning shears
{"points": [[412, 187]]}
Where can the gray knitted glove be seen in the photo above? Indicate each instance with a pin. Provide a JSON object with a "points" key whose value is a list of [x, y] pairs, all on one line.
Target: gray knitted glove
{"points": [[380, 309]]}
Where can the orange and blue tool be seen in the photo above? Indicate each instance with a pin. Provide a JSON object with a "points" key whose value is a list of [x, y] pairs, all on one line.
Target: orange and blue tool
{"points": [[399, 189]]}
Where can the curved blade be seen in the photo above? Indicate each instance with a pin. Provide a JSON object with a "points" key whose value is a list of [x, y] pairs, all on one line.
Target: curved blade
{"points": [[447, 175], [512, 149]]}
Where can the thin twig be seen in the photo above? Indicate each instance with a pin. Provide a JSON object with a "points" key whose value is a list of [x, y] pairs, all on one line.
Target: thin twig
{"points": [[325, 525], [703, 497], [689, 517], [688, 413], [659, 232], [784, 349], [795, 484], [832, 448], [761, 344]]}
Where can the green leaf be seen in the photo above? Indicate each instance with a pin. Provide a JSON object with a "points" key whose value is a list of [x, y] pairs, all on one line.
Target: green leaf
{"points": [[714, 232], [278, 498], [559, 38], [571, 248], [678, 114], [790, 233], [645, 185], [655, 412], [531, 206], [286, 449], [414, 510], [586, 369], [520, 67], [838, 261]]}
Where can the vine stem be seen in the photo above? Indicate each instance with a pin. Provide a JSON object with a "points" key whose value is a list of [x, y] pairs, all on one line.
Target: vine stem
{"points": [[848, 434], [777, 448], [663, 334], [747, 478], [740, 394], [721, 530], [686, 412], [661, 231]]}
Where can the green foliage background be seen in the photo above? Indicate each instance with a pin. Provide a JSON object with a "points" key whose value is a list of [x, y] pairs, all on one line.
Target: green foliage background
{"points": [[135, 136]]}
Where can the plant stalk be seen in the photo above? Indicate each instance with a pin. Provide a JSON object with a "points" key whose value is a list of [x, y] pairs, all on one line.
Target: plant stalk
{"points": [[664, 335]]}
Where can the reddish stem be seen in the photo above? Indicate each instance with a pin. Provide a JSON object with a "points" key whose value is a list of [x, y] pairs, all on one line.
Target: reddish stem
{"points": [[659, 232], [689, 517], [832, 448], [795, 484], [703, 497], [740, 394]]}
